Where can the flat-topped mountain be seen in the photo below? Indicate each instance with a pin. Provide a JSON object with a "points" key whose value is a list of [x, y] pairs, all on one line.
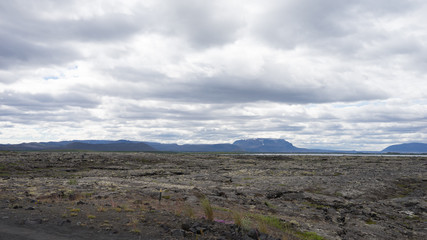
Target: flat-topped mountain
{"points": [[266, 145], [406, 148]]}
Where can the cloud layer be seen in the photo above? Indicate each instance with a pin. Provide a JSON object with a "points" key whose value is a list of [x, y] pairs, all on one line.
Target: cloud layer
{"points": [[337, 74]]}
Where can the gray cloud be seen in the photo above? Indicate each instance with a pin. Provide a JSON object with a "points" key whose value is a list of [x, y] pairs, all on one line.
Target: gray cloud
{"points": [[28, 39], [23, 21], [318, 73], [307, 22], [41, 101], [17, 52], [204, 24], [232, 89], [41, 117]]}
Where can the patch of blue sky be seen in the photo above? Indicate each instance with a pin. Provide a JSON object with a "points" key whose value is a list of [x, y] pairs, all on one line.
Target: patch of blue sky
{"points": [[51, 78], [355, 104], [73, 67]]}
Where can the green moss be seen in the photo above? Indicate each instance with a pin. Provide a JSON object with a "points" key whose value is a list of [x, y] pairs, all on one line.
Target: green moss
{"points": [[166, 197], [271, 221], [275, 222], [310, 236], [270, 205], [221, 208], [370, 221], [72, 182]]}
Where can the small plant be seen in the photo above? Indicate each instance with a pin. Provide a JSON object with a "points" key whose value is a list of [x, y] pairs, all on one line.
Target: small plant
{"points": [[88, 195], [128, 209], [246, 223], [221, 209], [101, 209], [75, 210], [188, 211], [133, 222], [314, 205], [72, 182], [270, 205], [207, 208], [262, 226], [237, 218], [113, 203], [370, 221], [135, 230], [91, 216]]}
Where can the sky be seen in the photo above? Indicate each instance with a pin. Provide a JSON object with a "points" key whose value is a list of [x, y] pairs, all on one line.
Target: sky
{"points": [[321, 74]]}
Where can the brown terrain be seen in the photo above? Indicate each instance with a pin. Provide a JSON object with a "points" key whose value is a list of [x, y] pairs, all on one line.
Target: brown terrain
{"points": [[90, 195]]}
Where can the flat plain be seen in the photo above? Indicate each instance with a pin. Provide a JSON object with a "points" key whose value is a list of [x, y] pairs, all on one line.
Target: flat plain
{"points": [[108, 195]]}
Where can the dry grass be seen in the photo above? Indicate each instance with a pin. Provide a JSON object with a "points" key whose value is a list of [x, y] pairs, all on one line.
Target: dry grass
{"points": [[207, 208]]}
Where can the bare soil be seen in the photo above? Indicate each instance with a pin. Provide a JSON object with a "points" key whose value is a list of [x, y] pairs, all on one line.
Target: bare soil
{"points": [[89, 195]]}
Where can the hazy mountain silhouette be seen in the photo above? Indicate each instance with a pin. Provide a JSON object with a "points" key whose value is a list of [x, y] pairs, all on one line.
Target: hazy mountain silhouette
{"points": [[119, 146], [266, 145], [407, 148], [90, 145], [255, 145]]}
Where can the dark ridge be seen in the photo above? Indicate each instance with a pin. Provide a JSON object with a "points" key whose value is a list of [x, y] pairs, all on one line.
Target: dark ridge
{"points": [[406, 148]]}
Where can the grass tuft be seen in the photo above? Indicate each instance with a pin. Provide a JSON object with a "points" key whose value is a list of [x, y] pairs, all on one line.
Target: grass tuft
{"points": [[237, 218], [207, 208]]}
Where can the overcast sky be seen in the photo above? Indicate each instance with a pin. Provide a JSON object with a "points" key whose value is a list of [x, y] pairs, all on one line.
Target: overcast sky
{"points": [[318, 73]]}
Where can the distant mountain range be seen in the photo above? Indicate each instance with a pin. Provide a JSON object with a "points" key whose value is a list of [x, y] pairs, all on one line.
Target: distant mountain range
{"points": [[256, 145]]}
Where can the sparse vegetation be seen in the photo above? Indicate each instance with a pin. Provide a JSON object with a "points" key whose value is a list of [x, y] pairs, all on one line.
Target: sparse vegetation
{"points": [[188, 211], [237, 218], [284, 196], [370, 221], [310, 236], [75, 210], [166, 197], [270, 205], [101, 209], [207, 208], [72, 182], [314, 205]]}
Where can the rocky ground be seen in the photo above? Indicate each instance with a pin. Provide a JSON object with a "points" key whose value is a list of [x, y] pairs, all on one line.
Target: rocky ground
{"points": [[88, 195]]}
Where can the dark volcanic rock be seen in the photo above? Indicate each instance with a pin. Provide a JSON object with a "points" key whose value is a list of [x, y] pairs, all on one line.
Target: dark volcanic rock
{"points": [[336, 197]]}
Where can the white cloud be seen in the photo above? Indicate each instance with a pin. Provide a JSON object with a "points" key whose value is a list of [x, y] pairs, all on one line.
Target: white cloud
{"points": [[338, 74]]}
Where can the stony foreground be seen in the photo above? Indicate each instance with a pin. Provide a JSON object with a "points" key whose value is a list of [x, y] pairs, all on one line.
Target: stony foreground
{"points": [[87, 195]]}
